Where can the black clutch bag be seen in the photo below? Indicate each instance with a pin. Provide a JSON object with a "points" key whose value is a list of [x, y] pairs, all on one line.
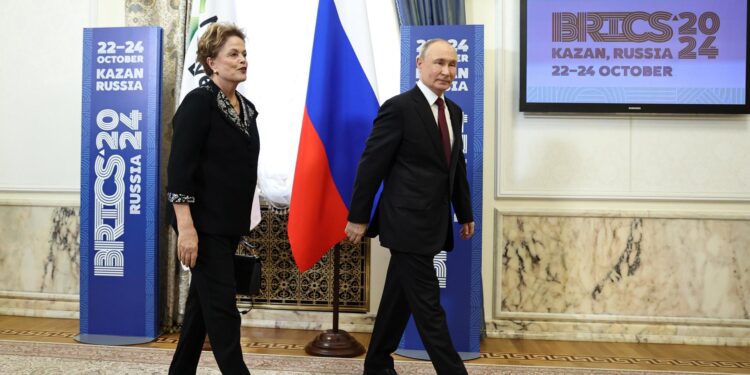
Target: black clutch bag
{"points": [[247, 274]]}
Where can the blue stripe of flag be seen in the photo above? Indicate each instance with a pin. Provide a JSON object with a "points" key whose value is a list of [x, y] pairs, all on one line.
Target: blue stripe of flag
{"points": [[340, 100]]}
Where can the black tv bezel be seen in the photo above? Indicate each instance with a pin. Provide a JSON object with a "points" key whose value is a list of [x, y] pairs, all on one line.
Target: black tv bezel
{"points": [[627, 108]]}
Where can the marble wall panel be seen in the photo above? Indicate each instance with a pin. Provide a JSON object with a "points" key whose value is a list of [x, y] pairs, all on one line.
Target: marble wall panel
{"points": [[39, 251], [692, 268]]}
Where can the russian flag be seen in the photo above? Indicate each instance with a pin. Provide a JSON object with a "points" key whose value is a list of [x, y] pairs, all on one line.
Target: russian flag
{"points": [[340, 107]]}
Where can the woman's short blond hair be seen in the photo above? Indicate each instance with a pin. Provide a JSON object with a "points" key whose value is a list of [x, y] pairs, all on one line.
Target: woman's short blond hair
{"points": [[213, 39]]}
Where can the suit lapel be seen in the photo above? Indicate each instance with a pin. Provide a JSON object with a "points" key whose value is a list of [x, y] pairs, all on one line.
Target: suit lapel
{"points": [[230, 117], [456, 122], [428, 121]]}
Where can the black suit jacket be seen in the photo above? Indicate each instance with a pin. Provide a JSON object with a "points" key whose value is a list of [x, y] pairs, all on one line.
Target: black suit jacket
{"points": [[215, 162], [404, 152]]}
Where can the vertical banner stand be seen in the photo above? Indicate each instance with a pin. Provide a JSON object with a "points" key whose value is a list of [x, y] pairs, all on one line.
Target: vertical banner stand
{"points": [[120, 144]]}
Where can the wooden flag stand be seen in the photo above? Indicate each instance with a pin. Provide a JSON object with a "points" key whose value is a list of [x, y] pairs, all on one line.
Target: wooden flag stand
{"points": [[335, 342]]}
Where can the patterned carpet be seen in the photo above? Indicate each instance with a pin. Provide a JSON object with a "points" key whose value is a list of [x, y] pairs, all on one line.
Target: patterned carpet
{"points": [[18, 357]]}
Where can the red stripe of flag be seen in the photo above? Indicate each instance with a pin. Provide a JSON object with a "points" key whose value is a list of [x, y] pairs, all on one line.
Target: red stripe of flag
{"points": [[322, 213]]}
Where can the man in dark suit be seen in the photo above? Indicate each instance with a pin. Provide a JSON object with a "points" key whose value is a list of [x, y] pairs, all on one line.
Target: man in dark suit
{"points": [[415, 149]]}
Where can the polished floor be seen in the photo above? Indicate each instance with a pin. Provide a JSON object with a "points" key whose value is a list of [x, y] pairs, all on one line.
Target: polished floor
{"points": [[619, 356]]}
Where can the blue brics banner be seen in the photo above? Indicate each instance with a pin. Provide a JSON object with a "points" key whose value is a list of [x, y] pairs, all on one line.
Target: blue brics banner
{"points": [[120, 146], [459, 271]]}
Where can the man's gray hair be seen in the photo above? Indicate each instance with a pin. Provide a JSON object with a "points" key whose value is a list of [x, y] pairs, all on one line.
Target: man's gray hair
{"points": [[427, 45]]}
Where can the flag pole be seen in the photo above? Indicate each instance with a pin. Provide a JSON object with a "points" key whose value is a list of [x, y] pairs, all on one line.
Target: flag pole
{"points": [[336, 286], [335, 342]]}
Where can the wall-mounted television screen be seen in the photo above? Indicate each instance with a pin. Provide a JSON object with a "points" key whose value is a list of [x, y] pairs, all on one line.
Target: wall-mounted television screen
{"points": [[634, 56]]}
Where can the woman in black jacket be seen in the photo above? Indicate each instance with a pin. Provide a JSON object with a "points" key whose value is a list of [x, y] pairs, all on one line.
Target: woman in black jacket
{"points": [[212, 174]]}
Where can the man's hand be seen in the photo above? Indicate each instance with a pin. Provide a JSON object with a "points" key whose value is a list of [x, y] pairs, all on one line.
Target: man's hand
{"points": [[467, 230], [355, 232], [187, 246]]}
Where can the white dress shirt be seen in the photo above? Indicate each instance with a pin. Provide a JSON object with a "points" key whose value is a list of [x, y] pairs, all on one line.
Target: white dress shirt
{"points": [[432, 99]]}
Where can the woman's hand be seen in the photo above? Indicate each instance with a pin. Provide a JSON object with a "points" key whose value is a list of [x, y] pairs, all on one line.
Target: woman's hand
{"points": [[187, 246], [187, 236]]}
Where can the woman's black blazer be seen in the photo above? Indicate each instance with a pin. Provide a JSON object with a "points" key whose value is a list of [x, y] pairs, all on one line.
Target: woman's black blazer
{"points": [[215, 162]]}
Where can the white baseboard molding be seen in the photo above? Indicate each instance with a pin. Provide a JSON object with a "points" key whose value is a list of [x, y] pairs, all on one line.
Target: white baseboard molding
{"points": [[651, 330], [46, 305], [60, 196], [307, 320]]}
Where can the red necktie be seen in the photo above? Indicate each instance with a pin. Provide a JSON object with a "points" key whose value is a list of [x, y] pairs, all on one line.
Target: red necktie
{"points": [[443, 125]]}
